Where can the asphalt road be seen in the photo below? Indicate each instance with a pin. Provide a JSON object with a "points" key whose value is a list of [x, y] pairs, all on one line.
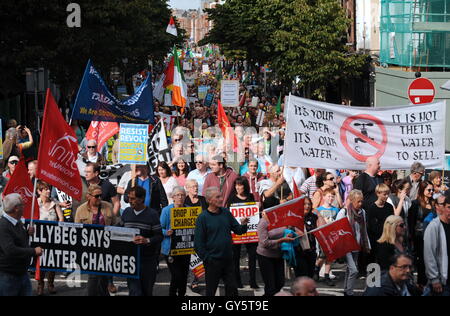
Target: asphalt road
{"points": [[77, 286]]}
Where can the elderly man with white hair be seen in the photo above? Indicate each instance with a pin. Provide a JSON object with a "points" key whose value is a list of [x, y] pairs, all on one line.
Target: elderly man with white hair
{"points": [[15, 254], [92, 153]]}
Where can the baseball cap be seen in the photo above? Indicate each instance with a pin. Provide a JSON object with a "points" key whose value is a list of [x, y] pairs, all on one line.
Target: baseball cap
{"points": [[13, 158]]}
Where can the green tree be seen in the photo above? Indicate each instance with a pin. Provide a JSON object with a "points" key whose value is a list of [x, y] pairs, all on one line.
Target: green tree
{"points": [[298, 38], [34, 33]]}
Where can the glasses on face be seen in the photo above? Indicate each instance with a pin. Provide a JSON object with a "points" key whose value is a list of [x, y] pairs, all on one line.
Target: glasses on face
{"points": [[330, 179], [429, 190], [404, 267], [14, 162], [97, 196], [91, 147], [176, 140], [199, 162]]}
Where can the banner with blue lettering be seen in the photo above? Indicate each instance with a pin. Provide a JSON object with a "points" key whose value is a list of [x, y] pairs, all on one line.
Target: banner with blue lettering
{"points": [[96, 103]]}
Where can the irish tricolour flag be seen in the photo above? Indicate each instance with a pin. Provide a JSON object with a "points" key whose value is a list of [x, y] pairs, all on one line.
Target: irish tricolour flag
{"points": [[179, 91]]}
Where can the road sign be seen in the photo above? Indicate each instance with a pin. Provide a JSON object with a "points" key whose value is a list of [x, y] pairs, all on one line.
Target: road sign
{"points": [[421, 90]]}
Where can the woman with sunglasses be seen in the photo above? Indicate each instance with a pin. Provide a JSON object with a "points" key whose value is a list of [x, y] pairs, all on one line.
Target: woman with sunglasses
{"points": [[326, 181], [392, 241], [421, 213], [97, 212]]}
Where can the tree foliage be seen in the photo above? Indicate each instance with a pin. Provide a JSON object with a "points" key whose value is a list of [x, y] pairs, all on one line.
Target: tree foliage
{"points": [[304, 38], [35, 34]]}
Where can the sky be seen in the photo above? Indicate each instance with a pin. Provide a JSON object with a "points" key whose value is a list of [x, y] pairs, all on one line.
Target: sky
{"points": [[184, 4]]}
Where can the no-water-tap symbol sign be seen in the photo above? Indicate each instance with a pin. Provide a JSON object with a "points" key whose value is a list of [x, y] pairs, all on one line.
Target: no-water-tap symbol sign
{"points": [[364, 136]]}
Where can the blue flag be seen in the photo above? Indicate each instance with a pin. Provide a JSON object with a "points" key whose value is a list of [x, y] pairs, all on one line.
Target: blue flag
{"points": [[95, 103]]}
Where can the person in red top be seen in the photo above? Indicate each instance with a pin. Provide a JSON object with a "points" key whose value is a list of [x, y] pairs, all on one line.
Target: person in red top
{"points": [[253, 176], [221, 177]]}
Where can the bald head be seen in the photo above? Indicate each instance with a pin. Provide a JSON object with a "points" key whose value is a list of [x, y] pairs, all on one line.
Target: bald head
{"points": [[304, 286], [372, 165]]}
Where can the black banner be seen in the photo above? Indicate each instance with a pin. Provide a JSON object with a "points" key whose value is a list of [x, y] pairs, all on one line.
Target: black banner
{"points": [[89, 249]]}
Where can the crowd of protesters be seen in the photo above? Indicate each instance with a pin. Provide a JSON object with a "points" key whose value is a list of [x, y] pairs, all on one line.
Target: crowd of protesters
{"points": [[400, 222]]}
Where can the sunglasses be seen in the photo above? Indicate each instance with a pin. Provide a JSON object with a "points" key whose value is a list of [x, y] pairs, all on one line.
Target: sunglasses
{"points": [[97, 196], [14, 162], [200, 162], [330, 179], [430, 190], [91, 147]]}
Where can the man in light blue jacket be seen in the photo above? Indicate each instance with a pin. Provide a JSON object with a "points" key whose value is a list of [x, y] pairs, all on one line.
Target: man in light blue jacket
{"points": [[437, 249]]}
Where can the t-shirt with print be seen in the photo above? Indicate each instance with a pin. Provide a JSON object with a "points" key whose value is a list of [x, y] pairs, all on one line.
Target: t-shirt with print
{"points": [[329, 214]]}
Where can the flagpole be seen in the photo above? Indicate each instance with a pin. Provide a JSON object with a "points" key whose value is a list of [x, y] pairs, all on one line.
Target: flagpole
{"points": [[33, 202]]}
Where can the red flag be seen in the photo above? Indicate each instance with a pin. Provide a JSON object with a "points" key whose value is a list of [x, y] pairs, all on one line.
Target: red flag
{"points": [[287, 214], [20, 183], [101, 132], [225, 125], [336, 239], [297, 193], [58, 152], [37, 273], [169, 73]]}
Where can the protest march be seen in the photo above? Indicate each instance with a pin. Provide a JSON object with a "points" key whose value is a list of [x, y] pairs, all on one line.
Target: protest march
{"points": [[202, 171]]}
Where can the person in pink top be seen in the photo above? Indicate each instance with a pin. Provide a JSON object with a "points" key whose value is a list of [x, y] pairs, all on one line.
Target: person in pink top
{"points": [[221, 177], [181, 171]]}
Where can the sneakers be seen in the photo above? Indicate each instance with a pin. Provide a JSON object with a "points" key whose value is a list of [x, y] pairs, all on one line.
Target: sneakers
{"points": [[329, 281]]}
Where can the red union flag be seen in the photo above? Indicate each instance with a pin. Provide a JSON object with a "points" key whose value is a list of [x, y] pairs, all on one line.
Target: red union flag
{"points": [[58, 152], [336, 239], [101, 132], [20, 183], [287, 214]]}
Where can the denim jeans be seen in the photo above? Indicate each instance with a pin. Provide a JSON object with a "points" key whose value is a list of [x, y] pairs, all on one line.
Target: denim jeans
{"points": [[351, 273], [15, 285]]}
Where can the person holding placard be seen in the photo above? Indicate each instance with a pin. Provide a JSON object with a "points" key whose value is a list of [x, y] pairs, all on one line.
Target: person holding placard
{"points": [[98, 212], [241, 194], [178, 265]]}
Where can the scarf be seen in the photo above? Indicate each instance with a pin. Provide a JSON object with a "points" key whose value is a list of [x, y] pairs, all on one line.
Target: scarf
{"points": [[356, 217]]}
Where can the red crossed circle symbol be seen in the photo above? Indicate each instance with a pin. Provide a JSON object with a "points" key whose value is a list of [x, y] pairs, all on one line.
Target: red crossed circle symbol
{"points": [[347, 128]]}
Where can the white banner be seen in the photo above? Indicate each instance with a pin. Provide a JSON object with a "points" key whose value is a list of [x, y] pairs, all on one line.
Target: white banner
{"points": [[323, 135], [229, 93]]}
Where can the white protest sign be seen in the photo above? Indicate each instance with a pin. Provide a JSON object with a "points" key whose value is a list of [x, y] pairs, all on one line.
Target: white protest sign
{"points": [[205, 69], [323, 135], [229, 93]]}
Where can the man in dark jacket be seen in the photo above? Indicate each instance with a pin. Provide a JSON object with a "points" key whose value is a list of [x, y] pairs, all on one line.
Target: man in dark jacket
{"points": [[396, 281], [156, 197], [15, 254], [368, 181], [213, 243]]}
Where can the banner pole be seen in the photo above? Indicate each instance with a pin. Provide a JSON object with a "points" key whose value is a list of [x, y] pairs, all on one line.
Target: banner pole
{"points": [[33, 202]]}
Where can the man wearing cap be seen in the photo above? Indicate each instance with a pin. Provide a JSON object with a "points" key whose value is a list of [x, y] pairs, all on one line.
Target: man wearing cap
{"points": [[415, 178], [12, 163]]}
